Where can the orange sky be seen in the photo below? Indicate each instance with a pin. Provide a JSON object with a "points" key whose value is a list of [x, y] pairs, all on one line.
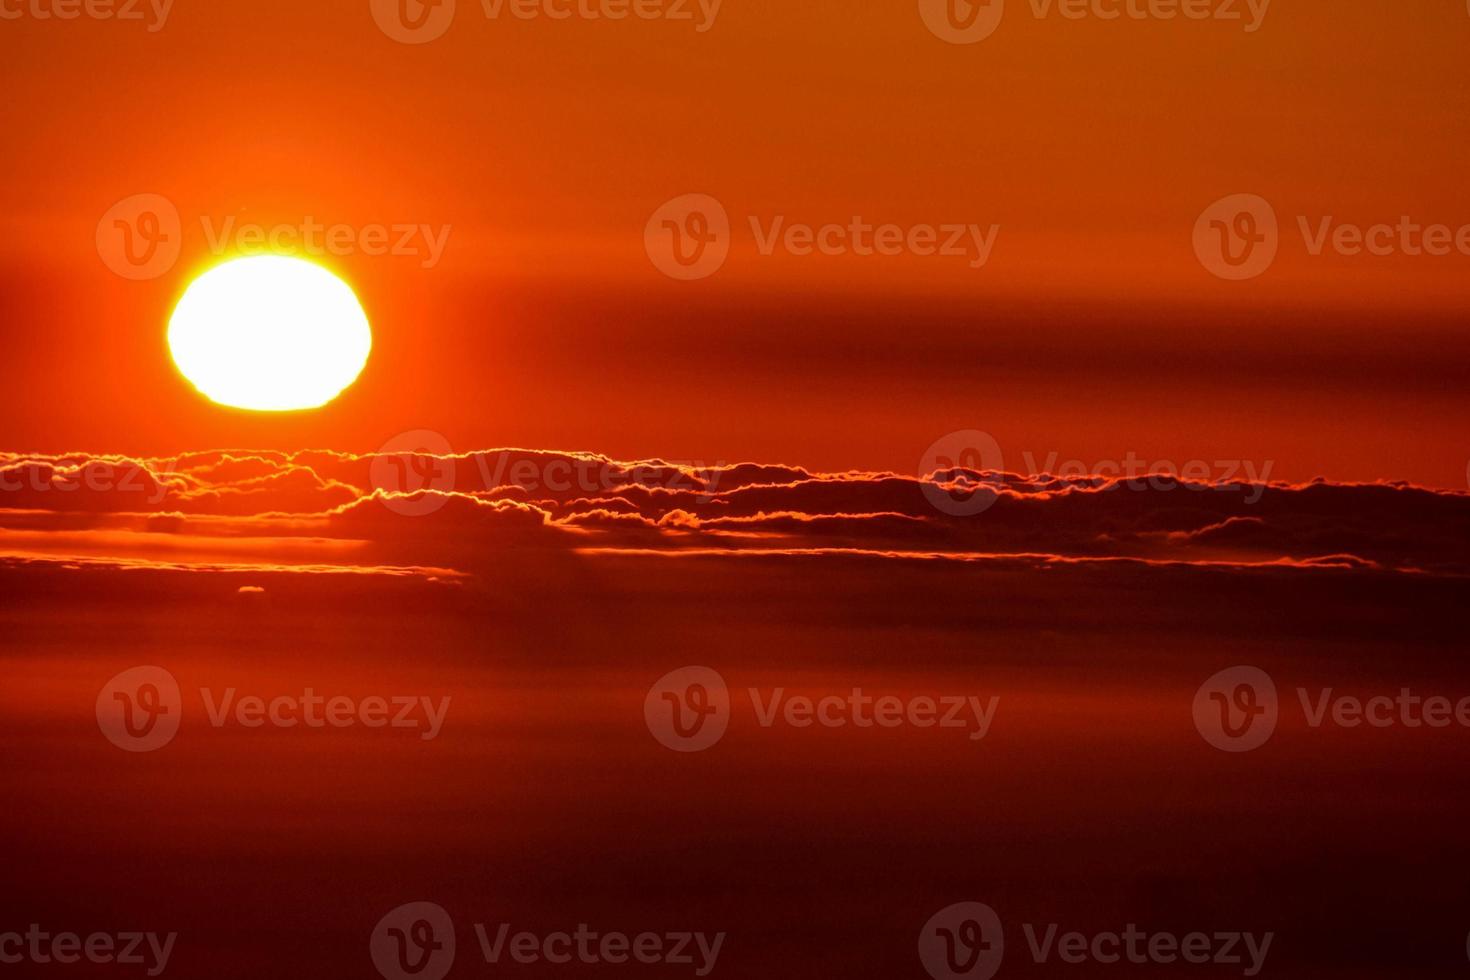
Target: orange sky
{"points": [[1093, 331]]}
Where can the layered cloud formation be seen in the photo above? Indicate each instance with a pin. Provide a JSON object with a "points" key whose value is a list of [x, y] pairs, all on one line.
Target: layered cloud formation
{"points": [[451, 517]]}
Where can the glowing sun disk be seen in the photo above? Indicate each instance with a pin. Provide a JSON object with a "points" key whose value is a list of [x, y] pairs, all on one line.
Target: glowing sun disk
{"points": [[269, 333]]}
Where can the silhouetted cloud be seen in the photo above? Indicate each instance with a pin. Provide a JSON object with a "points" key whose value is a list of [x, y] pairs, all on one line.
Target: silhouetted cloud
{"points": [[469, 511]]}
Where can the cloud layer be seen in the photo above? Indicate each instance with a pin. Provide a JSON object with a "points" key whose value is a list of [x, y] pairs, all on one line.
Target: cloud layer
{"points": [[446, 515]]}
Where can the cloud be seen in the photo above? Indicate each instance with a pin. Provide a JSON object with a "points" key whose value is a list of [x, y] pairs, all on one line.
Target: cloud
{"points": [[471, 511], [79, 484]]}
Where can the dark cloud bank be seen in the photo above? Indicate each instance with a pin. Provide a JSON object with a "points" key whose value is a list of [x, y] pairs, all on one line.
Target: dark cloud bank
{"points": [[451, 516]]}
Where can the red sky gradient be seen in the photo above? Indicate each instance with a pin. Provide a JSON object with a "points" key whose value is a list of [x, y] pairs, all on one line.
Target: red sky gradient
{"points": [[766, 479], [1093, 331]]}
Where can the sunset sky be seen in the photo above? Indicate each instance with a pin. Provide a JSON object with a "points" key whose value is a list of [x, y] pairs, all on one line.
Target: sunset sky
{"points": [[1099, 365], [544, 146]]}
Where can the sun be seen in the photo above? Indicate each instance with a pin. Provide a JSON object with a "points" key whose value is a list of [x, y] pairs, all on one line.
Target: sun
{"points": [[269, 333]]}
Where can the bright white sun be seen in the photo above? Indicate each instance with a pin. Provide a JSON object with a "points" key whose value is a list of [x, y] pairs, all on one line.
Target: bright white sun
{"points": [[270, 333]]}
